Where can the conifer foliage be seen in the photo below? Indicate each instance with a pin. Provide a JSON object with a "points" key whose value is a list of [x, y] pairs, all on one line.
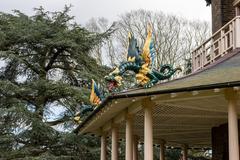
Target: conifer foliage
{"points": [[43, 58]]}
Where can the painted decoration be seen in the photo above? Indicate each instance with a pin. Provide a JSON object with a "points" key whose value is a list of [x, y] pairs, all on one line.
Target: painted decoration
{"points": [[142, 63]]}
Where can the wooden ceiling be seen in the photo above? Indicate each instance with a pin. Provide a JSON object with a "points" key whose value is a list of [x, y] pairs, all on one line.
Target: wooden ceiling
{"points": [[184, 111], [178, 118]]}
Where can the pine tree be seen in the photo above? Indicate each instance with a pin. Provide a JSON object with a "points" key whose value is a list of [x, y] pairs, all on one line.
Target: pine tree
{"points": [[43, 59]]}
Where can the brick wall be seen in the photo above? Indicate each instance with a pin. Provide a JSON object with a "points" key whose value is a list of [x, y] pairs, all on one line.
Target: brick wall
{"points": [[222, 12], [228, 11], [216, 15]]}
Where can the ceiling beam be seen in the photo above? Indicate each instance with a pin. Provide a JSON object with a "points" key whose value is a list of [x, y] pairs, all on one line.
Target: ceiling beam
{"points": [[209, 109], [186, 96], [180, 133], [179, 125], [175, 130], [192, 116], [190, 138]]}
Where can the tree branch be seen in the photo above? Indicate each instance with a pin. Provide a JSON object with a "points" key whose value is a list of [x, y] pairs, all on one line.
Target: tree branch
{"points": [[52, 60], [56, 122]]}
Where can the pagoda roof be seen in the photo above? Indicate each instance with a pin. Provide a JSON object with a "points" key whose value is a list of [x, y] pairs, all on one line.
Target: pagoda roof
{"points": [[196, 91], [224, 72]]}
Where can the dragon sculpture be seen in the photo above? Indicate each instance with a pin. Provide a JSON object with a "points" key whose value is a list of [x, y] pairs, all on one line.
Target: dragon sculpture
{"points": [[84, 109], [142, 64], [95, 99]]}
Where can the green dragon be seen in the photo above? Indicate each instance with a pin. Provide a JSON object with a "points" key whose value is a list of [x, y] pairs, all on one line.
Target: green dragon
{"points": [[142, 64]]}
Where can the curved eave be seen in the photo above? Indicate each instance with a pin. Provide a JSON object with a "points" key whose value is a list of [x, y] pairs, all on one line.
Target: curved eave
{"points": [[223, 74]]}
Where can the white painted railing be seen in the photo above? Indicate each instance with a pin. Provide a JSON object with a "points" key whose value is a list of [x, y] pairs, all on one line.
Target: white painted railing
{"points": [[221, 43]]}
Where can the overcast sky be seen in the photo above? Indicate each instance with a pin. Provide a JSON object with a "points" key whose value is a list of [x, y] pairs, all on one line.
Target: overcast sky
{"points": [[83, 10]]}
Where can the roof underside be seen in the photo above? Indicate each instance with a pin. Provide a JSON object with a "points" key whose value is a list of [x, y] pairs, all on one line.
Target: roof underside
{"points": [[184, 119], [184, 111]]}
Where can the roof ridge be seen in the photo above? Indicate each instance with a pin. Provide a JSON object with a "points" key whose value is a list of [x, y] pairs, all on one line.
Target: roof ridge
{"points": [[219, 61]]}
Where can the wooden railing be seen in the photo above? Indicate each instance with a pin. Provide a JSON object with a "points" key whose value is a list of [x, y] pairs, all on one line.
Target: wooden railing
{"points": [[221, 43]]}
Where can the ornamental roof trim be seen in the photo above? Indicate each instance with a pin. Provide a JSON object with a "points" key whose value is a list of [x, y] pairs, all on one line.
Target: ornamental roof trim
{"points": [[222, 74]]}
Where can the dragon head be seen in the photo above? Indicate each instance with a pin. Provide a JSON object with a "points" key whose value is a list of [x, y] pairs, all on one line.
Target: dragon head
{"points": [[114, 79], [133, 50]]}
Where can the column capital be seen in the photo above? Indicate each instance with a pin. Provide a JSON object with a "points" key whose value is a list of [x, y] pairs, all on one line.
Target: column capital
{"points": [[102, 132], [147, 102], [114, 125], [184, 145], [231, 94], [162, 142], [129, 116]]}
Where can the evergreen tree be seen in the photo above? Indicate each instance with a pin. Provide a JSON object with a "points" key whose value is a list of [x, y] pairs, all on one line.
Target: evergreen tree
{"points": [[43, 59]]}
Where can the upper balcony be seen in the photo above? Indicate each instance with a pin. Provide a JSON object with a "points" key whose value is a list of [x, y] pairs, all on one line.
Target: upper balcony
{"points": [[223, 42]]}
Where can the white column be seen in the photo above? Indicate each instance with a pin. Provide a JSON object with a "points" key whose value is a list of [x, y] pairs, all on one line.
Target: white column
{"points": [[148, 131], [237, 11], [129, 138], [103, 147], [135, 147], [185, 148], [231, 96], [114, 143], [162, 150], [237, 33]]}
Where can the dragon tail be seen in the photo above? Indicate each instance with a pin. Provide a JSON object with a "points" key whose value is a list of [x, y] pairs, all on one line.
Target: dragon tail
{"points": [[166, 72]]}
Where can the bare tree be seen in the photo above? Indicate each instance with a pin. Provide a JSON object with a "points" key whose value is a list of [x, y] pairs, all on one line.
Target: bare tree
{"points": [[105, 53], [93, 26], [195, 33], [174, 37]]}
